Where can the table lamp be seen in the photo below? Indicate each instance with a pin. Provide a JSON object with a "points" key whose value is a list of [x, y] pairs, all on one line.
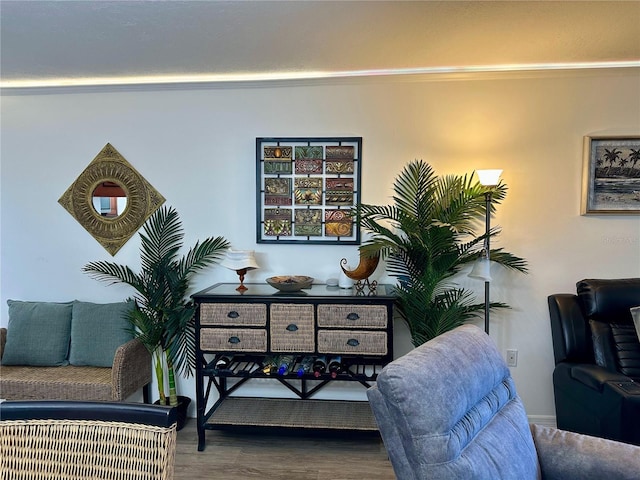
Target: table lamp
{"points": [[241, 261]]}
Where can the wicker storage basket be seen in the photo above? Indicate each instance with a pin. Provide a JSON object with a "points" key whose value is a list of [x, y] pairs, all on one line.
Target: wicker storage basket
{"points": [[233, 314], [292, 328], [233, 339]]}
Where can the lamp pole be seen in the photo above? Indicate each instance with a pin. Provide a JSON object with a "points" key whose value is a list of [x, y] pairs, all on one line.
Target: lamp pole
{"points": [[487, 300], [488, 178]]}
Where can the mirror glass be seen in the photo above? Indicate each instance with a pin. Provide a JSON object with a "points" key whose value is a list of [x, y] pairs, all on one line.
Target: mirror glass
{"points": [[109, 199]]}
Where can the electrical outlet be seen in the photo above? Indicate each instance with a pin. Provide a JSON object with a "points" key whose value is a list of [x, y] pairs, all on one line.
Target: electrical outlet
{"points": [[512, 358]]}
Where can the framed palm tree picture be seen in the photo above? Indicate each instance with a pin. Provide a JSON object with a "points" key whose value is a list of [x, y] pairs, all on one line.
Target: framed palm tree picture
{"points": [[611, 175]]}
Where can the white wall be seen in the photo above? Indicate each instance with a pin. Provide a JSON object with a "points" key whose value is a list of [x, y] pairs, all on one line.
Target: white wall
{"points": [[196, 146]]}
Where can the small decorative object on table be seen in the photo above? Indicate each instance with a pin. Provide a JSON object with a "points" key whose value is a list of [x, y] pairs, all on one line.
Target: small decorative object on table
{"points": [[241, 261], [290, 283], [362, 272]]}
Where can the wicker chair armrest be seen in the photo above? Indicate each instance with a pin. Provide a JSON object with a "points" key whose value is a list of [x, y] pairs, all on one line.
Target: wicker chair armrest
{"points": [[139, 413], [3, 340], [131, 369]]}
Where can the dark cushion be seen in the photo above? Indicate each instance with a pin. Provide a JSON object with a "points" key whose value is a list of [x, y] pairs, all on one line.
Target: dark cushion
{"points": [[97, 330], [616, 348], [603, 346], [609, 300], [627, 350], [37, 333], [635, 314]]}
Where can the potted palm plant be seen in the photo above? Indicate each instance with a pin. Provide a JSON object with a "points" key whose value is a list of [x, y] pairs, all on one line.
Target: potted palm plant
{"points": [[164, 318], [427, 236]]}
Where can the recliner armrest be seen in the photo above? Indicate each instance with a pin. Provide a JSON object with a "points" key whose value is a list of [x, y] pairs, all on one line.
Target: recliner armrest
{"points": [[571, 456], [594, 376]]}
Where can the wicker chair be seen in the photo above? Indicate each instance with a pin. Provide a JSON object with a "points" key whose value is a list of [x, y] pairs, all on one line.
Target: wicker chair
{"points": [[131, 371], [60, 440]]}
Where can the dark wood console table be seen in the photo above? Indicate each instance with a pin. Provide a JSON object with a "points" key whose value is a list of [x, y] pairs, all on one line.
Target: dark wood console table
{"points": [[260, 323]]}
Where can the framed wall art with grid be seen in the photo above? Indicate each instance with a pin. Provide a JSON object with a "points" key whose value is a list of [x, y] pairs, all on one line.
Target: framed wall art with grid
{"points": [[306, 189]]}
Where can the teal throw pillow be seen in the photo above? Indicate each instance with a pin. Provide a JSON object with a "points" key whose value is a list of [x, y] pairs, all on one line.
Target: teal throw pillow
{"points": [[97, 330], [37, 333]]}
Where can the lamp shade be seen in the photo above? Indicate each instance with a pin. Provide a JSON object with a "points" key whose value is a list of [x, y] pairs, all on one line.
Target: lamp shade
{"points": [[489, 178], [239, 260], [481, 269]]}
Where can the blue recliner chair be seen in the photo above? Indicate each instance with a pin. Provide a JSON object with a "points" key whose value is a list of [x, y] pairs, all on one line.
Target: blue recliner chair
{"points": [[449, 410]]}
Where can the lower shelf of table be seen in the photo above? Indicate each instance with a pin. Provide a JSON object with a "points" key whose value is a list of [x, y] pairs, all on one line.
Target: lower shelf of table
{"points": [[293, 413]]}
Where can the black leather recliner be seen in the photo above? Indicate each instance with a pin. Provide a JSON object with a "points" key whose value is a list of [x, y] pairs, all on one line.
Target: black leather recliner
{"points": [[596, 379]]}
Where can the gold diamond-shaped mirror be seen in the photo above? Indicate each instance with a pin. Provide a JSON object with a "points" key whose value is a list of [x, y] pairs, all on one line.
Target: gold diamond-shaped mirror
{"points": [[110, 199]]}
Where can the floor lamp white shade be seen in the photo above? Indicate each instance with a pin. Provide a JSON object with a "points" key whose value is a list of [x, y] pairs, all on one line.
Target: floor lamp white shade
{"points": [[489, 177], [481, 269]]}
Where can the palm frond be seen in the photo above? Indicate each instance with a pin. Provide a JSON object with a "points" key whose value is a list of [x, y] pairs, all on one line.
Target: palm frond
{"points": [[180, 343], [202, 255], [161, 238], [112, 273], [415, 183], [509, 260]]}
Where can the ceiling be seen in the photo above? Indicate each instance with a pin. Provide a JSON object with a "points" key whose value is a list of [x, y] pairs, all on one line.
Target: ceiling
{"points": [[58, 42]]}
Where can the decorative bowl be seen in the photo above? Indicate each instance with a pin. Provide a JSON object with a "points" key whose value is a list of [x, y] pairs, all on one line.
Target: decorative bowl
{"points": [[290, 283]]}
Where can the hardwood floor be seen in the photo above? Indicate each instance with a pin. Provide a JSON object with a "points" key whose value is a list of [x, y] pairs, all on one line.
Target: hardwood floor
{"points": [[240, 455]]}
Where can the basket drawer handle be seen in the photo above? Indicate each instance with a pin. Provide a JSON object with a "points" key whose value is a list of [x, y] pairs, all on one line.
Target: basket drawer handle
{"points": [[233, 314], [292, 327], [353, 316], [234, 340], [352, 342]]}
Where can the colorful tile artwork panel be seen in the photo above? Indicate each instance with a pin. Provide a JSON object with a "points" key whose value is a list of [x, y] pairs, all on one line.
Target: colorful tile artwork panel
{"points": [[277, 222], [308, 222], [339, 159], [277, 159], [339, 191], [337, 223], [277, 191], [308, 160], [308, 191], [307, 188]]}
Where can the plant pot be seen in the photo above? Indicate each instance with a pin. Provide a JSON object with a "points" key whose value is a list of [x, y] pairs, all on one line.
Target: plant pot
{"points": [[183, 407]]}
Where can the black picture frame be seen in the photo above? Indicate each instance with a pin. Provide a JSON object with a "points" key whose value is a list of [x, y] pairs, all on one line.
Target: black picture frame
{"points": [[306, 188]]}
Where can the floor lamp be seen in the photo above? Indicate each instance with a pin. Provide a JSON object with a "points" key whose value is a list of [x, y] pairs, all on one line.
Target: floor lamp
{"points": [[482, 267]]}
